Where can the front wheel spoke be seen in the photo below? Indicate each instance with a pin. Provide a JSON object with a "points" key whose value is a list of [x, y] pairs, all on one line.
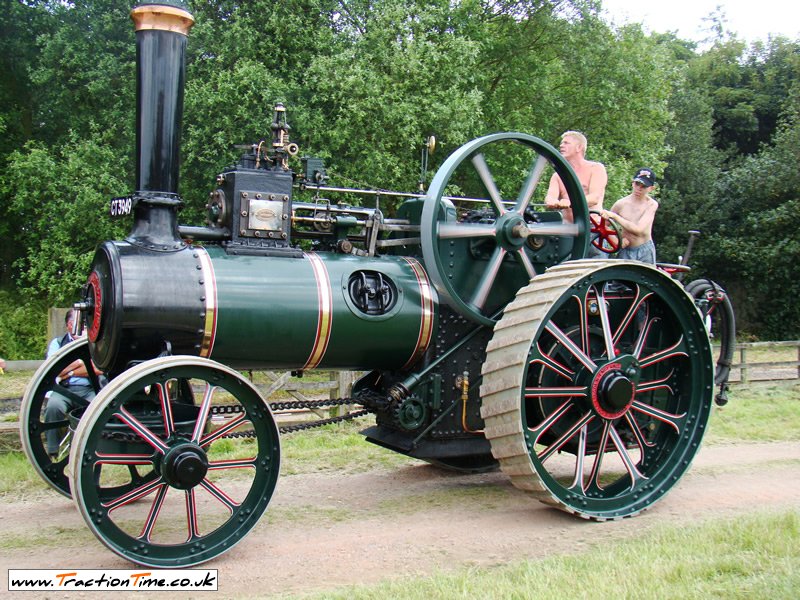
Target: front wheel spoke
{"points": [[655, 384], [219, 465], [230, 426], [548, 361], [637, 433], [217, 493], [205, 409], [133, 495], [671, 419], [141, 430], [677, 349], [565, 437], [479, 162], [155, 509], [191, 515], [488, 278], [465, 230], [570, 346], [531, 181], [166, 408], [124, 459]]}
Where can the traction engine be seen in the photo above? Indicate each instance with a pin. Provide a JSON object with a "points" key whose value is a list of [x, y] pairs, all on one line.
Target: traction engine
{"points": [[486, 338]]}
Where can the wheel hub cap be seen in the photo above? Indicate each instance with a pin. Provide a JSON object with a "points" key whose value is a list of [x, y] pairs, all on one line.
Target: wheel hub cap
{"points": [[612, 391], [184, 466]]}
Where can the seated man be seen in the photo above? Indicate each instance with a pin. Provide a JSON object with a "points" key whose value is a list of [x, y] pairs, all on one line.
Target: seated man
{"points": [[634, 214], [74, 378]]}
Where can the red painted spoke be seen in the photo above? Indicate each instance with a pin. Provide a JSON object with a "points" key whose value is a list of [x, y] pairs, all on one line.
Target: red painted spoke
{"points": [[551, 363], [522, 257], [605, 322], [191, 515], [570, 346], [526, 193], [637, 433], [152, 516], [205, 408], [655, 384], [677, 349], [636, 303], [134, 494], [640, 341], [556, 392], [671, 419], [220, 495], [635, 475], [594, 476], [124, 459], [580, 460], [166, 408], [488, 182], [218, 465], [215, 435], [487, 279], [566, 436], [139, 428], [552, 418]]}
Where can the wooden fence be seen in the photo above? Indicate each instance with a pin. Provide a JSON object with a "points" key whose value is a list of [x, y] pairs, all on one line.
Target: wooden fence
{"points": [[756, 361]]}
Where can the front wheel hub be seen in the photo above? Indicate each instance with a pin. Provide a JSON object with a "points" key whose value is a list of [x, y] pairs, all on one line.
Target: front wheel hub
{"points": [[184, 466]]}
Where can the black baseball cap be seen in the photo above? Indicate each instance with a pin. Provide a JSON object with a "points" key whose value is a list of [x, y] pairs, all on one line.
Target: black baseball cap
{"points": [[645, 177]]}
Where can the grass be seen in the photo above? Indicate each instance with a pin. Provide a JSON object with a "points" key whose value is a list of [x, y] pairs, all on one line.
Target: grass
{"points": [[756, 556], [759, 412]]}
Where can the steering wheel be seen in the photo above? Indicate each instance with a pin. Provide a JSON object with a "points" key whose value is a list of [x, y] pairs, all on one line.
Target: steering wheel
{"points": [[605, 234]]}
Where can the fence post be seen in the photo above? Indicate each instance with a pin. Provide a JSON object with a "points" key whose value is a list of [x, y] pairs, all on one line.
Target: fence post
{"points": [[743, 363], [798, 360]]}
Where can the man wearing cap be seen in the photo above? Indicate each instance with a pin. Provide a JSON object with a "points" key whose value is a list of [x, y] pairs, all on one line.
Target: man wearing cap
{"points": [[635, 214]]}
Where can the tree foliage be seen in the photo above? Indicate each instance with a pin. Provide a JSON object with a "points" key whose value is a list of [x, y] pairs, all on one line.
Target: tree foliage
{"points": [[366, 81]]}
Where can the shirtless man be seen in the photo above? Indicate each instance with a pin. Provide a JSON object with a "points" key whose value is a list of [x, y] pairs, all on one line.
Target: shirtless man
{"points": [[592, 176], [635, 214]]}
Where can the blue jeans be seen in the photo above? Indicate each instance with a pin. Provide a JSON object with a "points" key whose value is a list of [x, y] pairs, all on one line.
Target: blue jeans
{"points": [[645, 253], [57, 408]]}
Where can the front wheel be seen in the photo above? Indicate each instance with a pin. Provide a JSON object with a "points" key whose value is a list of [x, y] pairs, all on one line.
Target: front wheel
{"points": [[213, 461], [597, 387]]}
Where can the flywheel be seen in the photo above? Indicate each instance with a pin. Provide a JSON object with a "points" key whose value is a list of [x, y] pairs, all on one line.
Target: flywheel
{"points": [[597, 387]]}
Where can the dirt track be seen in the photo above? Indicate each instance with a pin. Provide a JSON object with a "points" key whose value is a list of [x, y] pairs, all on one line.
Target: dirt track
{"points": [[327, 530]]}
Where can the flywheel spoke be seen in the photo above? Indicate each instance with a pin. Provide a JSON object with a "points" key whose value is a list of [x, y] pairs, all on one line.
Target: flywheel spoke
{"points": [[488, 278], [450, 231], [525, 261], [479, 162], [534, 175]]}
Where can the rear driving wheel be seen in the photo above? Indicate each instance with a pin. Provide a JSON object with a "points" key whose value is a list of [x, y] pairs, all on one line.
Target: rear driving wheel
{"points": [[597, 387]]}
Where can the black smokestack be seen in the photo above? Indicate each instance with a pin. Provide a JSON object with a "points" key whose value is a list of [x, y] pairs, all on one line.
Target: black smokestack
{"points": [[161, 33]]}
